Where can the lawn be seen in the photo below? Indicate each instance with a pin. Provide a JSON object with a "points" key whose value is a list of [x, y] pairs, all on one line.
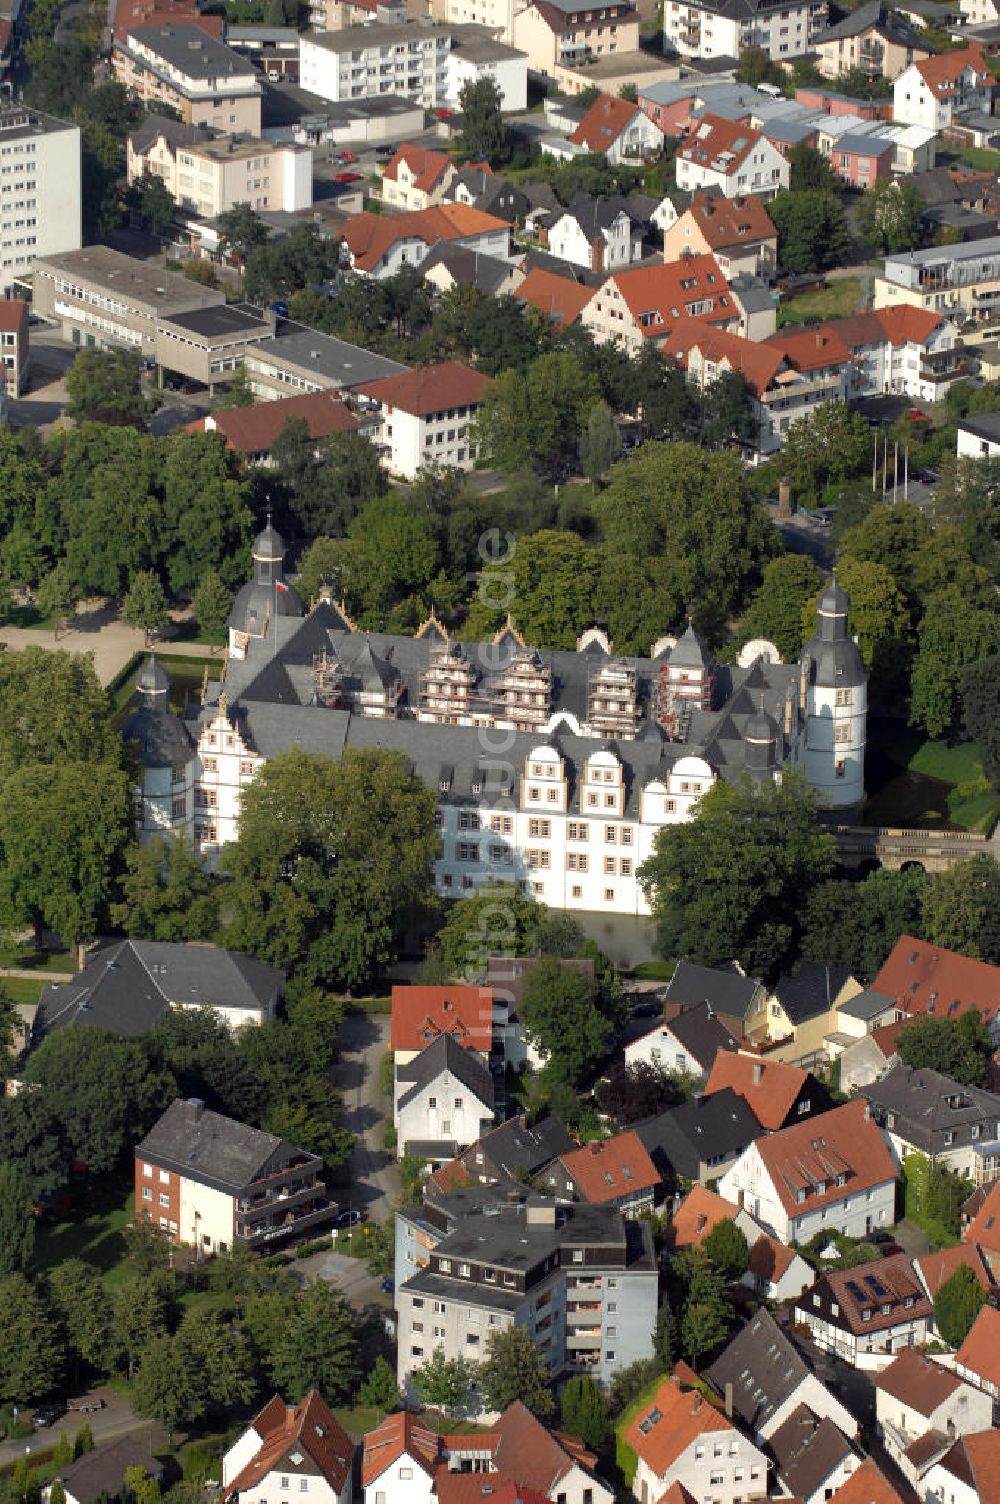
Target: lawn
{"points": [[654, 971], [26, 958], [912, 778], [22, 989], [186, 674], [835, 301], [94, 1236], [979, 158]]}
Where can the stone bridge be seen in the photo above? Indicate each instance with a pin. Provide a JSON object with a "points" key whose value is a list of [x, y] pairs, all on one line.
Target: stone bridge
{"points": [[934, 850]]}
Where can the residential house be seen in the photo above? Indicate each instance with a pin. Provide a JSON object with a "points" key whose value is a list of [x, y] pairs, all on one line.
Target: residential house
{"points": [[416, 177], [514, 1151], [978, 1359], [251, 432], [873, 38], [475, 57], [730, 156], [644, 303], [812, 1457], [618, 130], [698, 1140], [208, 171], [933, 91], [420, 1014], [688, 1043], [507, 976], [921, 1407], [907, 350], [558, 35], [733, 997], [777, 1095], [211, 1182], [427, 417], [181, 66], [678, 1437], [398, 1460], [613, 1171], [862, 160], [765, 1379], [378, 245], [868, 1485], [969, 1473], [927, 979], [935, 1268], [738, 232], [979, 437], [722, 29], [698, 1213], [560, 299], [449, 265], [832, 1173], [581, 1279], [922, 1111], [301, 1447], [867, 1311], [443, 1101], [99, 1474], [670, 208], [775, 1272], [959, 281], [15, 346], [805, 1003], [554, 1465], [477, 184], [758, 315], [130, 986], [599, 234], [983, 1230]]}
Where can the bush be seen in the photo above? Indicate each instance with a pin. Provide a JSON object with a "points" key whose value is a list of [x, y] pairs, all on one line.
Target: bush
{"points": [[318, 1245], [390, 1138]]}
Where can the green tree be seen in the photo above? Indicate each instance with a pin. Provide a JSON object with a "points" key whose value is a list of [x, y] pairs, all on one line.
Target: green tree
{"points": [[888, 214], [812, 229], [57, 594], [959, 1048], [551, 586], [957, 1303], [32, 1354], [895, 537], [726, 1248], [204, 522], [496, 920], [600, 442], [141, 1311], [665, 1336], [83, 1440], [444, 1382], [832, 444], [166, 1386], [103, 384], [211, 604], [30, 1137], [878, 616], [17, 1222], [730, 882], [857, 924], [165, 893], [145, 605], [62, 1456], [707, 1313], [561, 1013], [961, 908], [535, 418], [241, 231], [331, 859], [379, 1389], [789, 588], [80, 1302], [954, 633], [515, 1369], [979, 691], [154, 202], [328, 481], [53, 709], [809, 169], [485, 137], [755, 67], [392, 554], [729, 415], [57, 1493], [318, 1347], [584, 1412]]}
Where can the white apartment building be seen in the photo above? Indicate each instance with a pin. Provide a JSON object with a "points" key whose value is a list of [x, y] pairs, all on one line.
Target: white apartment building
{"points": [[725, 28], [482, 57], [209, 174], [427, 416], [181, 66], [40, 201], [931, 92], [496, 16], [408, 59], [960, 281]]}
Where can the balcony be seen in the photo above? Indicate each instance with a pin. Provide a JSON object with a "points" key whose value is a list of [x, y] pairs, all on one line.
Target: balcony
{"points": [[945, 370], [290, 1227], [288, 1173], [583, 1315], [584, 1340], [252, 1209]]}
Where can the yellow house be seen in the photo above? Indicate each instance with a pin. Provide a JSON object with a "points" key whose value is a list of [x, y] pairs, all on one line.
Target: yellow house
{"points": [[804, 1008]]}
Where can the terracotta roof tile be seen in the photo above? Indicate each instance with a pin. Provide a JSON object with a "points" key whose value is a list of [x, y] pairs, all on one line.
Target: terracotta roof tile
{"points": [[14, 315], [714, 138], [420, 1014], [430, 389], [370, 237], [426, 166], [450, 1177], [941, 73], [808, 349], [482, 1488], [980, 1352], [768, 1087], [927, 978], [769, 1259], [604, 122], [867, 1486], [975, 1460], [310, 1426], [918, 1382], [887, 1282], [668, 1424], [755, 362], [528, 1453], [819, 1151], [935, 1268], [984, 1228], [397, 1436], [559, 298], [909, 325], [658, 296], [698, 1213], [253, 430], [729, 222], [608, 1168]]}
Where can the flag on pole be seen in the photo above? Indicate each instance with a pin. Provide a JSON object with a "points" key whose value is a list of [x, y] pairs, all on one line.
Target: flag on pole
{"points": [[281, 587]]}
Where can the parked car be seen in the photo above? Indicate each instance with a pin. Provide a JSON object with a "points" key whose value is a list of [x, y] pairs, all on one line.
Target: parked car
{"points": [[385, 151], [646, 1010], [90, 1404], [347, 156], [348, 177], [388, 1285], [348, 1218], [47, 1415]]}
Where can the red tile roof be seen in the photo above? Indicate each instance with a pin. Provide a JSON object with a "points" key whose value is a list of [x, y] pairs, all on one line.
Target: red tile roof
{"points": [[430, 389], [420, 1014], [975, 1460], [698, 1213], [526, 1452], [427, 167], [310, 1427], [908, 325], [769, 1259], [809, 349], [867, 1486], [604, 122], [755, 361], [14, 315], [984, 1228], [918, 1382], [608, 1168], [842, 1142], [253, 430], [559, 298], [768, 1087], [398, 1436], [131, 15], [868, 1287], [729, 222], [980, 1352], [935, 1268], [669, 1423], [941, 73], [370, 237], [887, 1037], [658, 296], [482, 1488], [451, 1176], [719, 144], [918, 974]]}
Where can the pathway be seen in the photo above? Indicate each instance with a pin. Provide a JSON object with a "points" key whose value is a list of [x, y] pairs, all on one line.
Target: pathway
{"points": [[374, 1179], [117, 1419], [95, 629]]}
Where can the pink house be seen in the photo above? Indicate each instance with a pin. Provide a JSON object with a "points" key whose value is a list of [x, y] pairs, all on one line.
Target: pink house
{"points": [[667, 107], [861, 160], [841, 104]]}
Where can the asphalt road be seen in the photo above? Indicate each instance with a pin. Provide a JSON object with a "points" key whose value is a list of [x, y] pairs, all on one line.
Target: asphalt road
{"points": [[374, 1180], [117, 1419]]}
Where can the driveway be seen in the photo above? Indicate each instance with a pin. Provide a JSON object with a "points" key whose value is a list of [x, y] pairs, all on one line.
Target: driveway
{"points": [[117, 1419], [349, 1277], [374, 1179]]}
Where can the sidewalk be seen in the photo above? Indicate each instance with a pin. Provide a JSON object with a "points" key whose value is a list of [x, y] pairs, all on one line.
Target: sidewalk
{"points": [[98, 631]]}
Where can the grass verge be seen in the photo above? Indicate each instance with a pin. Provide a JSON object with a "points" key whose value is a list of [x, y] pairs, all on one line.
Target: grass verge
{"points": [[835, 301], [624, 1455]]}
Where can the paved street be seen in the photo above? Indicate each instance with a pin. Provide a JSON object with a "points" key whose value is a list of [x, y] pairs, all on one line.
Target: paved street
{"points": [[374, 1181], [115, 1420]]}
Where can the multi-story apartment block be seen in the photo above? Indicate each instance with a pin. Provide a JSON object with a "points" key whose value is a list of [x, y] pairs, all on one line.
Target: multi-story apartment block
{"points": [[427, 417], [725, 28], [875, 39], [208, 173], [181, 66], [211, 1182], [580, 1280], [40, 204], [569, 818], [959, 281], [408, 59], [559, 35], [495, 16]]}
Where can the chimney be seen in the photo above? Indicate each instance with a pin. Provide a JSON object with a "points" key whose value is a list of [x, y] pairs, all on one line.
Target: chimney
{"points": [[868, 1110], [788, 716], [758, 1072], [696, 1406], [729, 1401], [595, 1147], [197, 1106]]}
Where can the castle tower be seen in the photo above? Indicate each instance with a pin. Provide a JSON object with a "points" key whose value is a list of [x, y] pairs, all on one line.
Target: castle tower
{"points": [[264, 597], [836, 705], [166, 752]]}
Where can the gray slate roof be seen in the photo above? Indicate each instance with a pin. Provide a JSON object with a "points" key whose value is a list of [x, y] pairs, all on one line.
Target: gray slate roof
{"points": [[762, 1352], [514, 1146], [444, 1054], [808, 1450], [100, 1474], [470, 267], [192, 51], [725, 989], [214, 1150], [889, 25], [701, 1033], [810, 989], [685, 1137], [868, 1004], [347, 365], [128, 987], [926, 1106]]}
